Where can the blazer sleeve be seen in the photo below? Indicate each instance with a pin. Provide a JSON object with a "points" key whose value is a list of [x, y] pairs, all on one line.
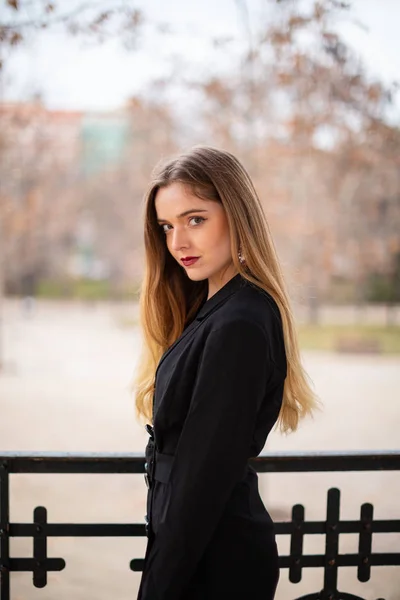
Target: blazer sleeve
{"points": [[211, 454]]}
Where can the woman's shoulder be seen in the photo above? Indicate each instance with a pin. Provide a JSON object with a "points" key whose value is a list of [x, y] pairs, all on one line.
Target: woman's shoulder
{"points": [[250, 306], [251, 313]]}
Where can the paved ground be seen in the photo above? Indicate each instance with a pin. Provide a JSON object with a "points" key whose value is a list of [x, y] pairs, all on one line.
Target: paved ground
{"points": [[65, 387]]}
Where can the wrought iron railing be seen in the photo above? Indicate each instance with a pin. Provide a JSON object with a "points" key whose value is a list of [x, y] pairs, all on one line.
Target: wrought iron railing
{"points": [[40, 530]]}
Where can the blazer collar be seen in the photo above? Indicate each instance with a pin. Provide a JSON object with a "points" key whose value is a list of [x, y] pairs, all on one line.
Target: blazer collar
{"points": [[234, 284]]}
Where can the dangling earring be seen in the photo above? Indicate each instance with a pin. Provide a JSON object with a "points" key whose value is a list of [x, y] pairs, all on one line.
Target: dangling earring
{"points": [[240, 256]]}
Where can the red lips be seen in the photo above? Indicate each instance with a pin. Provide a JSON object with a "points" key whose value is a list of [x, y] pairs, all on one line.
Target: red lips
{"points": [[189, 260]]}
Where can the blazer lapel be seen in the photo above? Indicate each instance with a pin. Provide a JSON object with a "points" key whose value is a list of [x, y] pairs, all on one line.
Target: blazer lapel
{"points": [[206, 309], [191, 327]]}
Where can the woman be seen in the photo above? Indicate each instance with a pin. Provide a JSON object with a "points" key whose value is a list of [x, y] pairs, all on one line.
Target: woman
{"points": [[220, 368]]}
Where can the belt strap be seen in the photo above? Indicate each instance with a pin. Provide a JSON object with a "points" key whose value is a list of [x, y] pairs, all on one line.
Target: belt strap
{"points": [[164, 462], [163, 466]]}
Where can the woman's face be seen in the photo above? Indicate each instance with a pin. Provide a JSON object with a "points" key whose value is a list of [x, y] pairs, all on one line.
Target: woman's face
{"points": [[196, 228]]}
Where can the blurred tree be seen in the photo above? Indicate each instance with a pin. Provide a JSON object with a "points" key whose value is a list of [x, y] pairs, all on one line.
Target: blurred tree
{"points": [[311, 125], [384, 288], [21, 20], [36, 204]]}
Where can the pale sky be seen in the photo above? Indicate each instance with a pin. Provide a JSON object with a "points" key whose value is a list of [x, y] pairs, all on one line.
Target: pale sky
{"points": [[73, 75]]}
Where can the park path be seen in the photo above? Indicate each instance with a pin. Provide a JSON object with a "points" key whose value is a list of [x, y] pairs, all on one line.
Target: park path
{"points": [[65, 387]]}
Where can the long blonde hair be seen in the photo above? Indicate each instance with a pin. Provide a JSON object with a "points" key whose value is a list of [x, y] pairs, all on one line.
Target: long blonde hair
{"points": [[169, 299]]}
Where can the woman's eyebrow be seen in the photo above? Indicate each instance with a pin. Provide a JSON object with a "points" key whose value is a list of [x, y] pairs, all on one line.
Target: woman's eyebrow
{"points": [[186, 212]]}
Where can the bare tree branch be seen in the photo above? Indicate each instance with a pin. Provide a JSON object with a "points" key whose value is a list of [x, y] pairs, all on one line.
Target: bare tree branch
{"points": [[86, 18]]}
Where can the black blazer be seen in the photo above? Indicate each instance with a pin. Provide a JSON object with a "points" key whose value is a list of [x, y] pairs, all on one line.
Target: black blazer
{"points": [[218, 393]]}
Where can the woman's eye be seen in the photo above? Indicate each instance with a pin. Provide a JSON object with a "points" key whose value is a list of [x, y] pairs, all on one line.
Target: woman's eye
{"points": [[201, 219], [197, 221]]}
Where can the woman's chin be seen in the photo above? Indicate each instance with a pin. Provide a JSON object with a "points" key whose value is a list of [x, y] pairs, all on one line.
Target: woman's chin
{"points": [[195, 276], [196, 273]]}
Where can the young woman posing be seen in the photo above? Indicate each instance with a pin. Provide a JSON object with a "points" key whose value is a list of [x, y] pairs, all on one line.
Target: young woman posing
{"points": [[220, 367]]}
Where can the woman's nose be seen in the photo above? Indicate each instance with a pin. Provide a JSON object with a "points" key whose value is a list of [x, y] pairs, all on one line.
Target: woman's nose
{"points": [[179, 239]]}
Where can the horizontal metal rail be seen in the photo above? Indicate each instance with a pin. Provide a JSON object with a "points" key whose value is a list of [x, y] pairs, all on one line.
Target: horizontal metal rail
{"points": [[133, 462]]}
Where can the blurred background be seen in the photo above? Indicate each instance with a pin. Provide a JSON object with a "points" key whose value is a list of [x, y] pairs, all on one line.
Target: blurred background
{"points": [[92, 95]]}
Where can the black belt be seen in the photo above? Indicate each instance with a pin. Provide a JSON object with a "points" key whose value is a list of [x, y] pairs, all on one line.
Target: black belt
{"points": [[163, 464]]}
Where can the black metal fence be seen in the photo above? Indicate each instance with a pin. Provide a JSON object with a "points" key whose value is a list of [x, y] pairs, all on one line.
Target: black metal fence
{"points": [[40, 530]]}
